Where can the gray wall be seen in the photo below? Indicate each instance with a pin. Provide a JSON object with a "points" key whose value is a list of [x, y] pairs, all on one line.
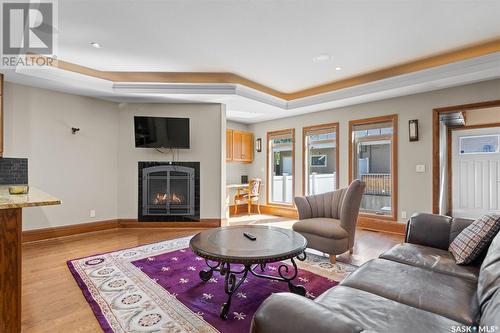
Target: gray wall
{"points": [[206, 127], [96, 169], [80, 169], [415, 189]]}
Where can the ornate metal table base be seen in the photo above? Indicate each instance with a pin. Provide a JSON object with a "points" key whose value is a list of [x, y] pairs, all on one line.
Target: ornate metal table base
{"points": [[232, 283]]}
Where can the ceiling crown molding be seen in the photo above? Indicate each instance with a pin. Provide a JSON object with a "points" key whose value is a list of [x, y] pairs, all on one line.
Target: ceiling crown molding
{"points": [[460, 54], [230, 79], [472, 70], [247, 103]]}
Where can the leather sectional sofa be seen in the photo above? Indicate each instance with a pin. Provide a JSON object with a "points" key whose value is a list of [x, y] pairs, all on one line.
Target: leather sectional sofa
{"points": [[413, 287]]}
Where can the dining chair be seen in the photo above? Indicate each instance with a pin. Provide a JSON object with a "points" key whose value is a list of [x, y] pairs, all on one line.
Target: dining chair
{"points": [[249, 195]]}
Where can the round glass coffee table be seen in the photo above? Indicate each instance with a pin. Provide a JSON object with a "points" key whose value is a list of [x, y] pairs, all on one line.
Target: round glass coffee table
{"points": [[226, 246]]}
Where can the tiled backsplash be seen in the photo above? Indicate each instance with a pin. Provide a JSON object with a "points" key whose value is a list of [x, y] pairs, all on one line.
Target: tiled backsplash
{"points": [[13, 171]]}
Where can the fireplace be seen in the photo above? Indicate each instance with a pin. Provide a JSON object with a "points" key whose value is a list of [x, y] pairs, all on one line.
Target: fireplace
{"points": [[169, 191]]}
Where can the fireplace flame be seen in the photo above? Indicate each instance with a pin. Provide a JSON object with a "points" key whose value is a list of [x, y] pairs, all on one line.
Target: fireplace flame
{"points": [[163, 198]]}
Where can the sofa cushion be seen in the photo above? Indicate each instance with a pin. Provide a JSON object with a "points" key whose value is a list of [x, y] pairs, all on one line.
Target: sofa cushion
{"points": [[430, 258], [490, 316], [321, 226], [474, 239], [443, 294], [287, 312], [489, 274], [379, 314], [458, 224]]}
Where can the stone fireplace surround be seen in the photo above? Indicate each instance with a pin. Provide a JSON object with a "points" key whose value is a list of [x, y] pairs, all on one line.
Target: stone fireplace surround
{"points": [[169, 191]]}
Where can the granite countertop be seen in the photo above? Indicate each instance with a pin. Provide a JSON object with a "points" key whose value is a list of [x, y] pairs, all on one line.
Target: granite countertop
{"points": [[33, 198]]}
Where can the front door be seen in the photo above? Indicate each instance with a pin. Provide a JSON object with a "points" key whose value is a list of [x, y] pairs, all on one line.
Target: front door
{"points": [[475, 171]]}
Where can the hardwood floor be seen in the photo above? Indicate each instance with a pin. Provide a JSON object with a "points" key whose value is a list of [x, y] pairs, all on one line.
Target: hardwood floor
{"points": [[52, 301], [368, 245]]}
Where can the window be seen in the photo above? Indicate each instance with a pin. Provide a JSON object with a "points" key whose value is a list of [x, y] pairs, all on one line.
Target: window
{"points": [[373, 149], [280, 167], [318, 161], [320, 156], [479, 144]]}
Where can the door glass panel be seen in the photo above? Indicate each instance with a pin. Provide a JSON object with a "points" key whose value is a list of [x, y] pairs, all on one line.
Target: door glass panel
{"points": [[281, 169], [479, 144], [372, 149], [320, 160]]}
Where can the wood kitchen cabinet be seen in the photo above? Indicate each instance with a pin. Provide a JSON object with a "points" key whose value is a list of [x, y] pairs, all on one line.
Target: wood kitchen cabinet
{"points": [[240, 145]]}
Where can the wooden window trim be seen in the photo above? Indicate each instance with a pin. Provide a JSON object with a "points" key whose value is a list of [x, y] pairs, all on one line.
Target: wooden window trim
{"points": [[269, 135], [394, 162], [435, 143], [335, 127]]}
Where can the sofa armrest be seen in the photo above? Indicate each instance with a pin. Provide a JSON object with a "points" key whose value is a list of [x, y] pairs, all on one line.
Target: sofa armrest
{"points": [[429, 230], [290, 313], [303, 208]]}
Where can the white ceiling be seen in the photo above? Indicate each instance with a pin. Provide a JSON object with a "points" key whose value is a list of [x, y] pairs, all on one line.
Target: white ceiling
{"points": [[270, 42]]}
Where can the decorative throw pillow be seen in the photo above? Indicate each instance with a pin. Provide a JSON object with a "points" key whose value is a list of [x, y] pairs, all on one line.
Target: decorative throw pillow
{"points": [[470, 243]]}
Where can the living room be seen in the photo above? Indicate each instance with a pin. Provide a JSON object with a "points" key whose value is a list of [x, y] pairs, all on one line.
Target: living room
{"points": [[324, 169]]}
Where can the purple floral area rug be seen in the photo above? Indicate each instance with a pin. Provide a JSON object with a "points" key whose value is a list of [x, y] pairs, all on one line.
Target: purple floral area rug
{"points": [[156, 288]]}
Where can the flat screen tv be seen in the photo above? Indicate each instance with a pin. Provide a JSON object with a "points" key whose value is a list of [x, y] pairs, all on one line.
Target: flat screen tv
{"points": [[159, 132]]}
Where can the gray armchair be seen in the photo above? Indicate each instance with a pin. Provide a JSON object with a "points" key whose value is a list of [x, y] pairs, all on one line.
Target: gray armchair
{"points": [[328, 220]]}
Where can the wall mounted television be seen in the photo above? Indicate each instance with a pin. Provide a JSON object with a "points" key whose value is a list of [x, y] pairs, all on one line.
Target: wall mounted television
{"points": [[161, 132]]}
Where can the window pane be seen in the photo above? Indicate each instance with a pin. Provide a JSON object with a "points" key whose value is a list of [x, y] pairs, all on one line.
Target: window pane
{"points": [[281, 169], [372, 165], [320, 161], [479, 144]]}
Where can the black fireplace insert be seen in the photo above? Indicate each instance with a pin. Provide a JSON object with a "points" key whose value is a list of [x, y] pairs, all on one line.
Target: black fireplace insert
{"points": [[169, 191]]}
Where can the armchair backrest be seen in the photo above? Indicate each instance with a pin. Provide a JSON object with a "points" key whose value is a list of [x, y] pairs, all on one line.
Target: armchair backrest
{"points": [[350, 208], [342, 204]]}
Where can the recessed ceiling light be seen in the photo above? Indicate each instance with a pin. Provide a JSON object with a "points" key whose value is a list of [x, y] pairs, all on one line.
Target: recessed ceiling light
{"points": [[96, 45], [322, 58], [338, 68]]}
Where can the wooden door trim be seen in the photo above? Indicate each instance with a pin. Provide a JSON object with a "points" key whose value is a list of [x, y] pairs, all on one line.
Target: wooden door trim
{"points": [[268, 135], [335, 126], [393, 118], [435, 142]]}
